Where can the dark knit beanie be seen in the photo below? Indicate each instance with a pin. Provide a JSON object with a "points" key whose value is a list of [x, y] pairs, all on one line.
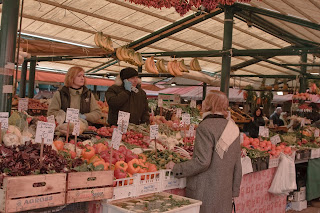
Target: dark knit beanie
{"points": [[128, 72]]}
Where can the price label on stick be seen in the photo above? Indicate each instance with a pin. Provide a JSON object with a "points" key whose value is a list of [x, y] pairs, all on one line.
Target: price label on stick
{"points": [[4, 119], [123, 121], [185, 119], [23, 104], [154, 132], [275, 139], [72, 114], [190, 132], [45, 130], [193, 104], [76, 127], [51, 119], [116, 139], [179, 112], [160, 102], [263, 131], [316, 133]]}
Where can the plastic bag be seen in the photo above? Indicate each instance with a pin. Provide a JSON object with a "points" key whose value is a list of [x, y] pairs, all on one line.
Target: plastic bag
{"points": [[246, 165], [284, 180]]}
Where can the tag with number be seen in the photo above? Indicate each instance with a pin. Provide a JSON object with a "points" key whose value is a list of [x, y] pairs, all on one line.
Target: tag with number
{"points": [[191, 131], [154, 132], [160, 103], [4, 119], [76, 127], [116, 138], [185, 119], [275, 139], [51, 119], [316, 133], [263, 131], [179, 112], [123, 121], [72, 114], [23, 104], [45, 130], [193, 104]]}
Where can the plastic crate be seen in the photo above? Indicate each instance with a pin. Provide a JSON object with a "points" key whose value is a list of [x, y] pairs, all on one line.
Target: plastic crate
{"points": [[123, 188], [194, 207], [147, 183], [168, 181]]}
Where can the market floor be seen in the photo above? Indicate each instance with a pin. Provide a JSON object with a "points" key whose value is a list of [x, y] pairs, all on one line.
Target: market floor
{"points": [[308, 210]]}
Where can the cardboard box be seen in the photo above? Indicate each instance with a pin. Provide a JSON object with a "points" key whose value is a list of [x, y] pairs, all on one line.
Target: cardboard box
{"points": [[299, 205]]}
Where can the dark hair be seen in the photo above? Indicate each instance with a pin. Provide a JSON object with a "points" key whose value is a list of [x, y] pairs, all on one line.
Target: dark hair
{"points": [[255, 114]]}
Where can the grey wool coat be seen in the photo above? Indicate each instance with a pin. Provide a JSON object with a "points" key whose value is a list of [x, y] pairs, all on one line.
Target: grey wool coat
{"points": [[212, 180]]}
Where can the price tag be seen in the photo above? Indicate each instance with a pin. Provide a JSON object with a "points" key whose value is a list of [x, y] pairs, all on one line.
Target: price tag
{"points": [[154, 132], [4, 119], [76, 127], [179, 112], [190, 132], [314, 153], [116, 138], [51, 119], [45, 130], [274, 162], [123, 121], [23, 104], [185, 119], [275, 139], [72, 114], [193, 104], [160, 103], [316, 133], [263, 131]]}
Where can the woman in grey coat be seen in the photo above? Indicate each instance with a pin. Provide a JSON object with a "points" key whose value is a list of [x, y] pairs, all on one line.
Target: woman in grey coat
{"points": [[214, 173]]}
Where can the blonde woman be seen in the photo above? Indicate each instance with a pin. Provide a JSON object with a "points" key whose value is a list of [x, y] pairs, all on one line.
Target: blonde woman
{"points": [[214, 173], [74, 94]]}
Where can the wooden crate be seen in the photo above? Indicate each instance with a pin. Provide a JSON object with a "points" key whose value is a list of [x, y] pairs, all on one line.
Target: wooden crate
{"points": [[89, 186], [32, 192]]}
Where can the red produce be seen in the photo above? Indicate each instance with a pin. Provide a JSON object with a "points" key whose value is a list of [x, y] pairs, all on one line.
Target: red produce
{"points": [[120, 173]]}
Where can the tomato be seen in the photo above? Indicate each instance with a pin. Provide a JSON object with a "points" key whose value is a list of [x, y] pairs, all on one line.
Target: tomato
{"points": [[88, 152], [59, 145]]}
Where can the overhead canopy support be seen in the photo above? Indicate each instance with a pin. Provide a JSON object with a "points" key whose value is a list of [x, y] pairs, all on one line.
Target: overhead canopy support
{"points": [[32, 75], [23, 80], [303, 80], [237, 52], [279, 16]]}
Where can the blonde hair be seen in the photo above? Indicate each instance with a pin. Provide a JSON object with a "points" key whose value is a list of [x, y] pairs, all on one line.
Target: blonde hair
{"points": [[216, 102], [71, 74]]}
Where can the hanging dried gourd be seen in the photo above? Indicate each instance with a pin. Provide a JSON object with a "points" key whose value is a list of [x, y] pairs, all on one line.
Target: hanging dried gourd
{"points": [[285, 85], [276, 84], [263, 84]]}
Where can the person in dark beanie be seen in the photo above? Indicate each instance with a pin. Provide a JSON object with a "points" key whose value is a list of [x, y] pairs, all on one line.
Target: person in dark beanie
{"points": [[126, 95]]}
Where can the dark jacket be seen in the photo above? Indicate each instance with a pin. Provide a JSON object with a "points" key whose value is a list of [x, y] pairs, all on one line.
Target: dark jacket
{"points": [[120, 99], [85, 99], [276, 119], [254, 126]]}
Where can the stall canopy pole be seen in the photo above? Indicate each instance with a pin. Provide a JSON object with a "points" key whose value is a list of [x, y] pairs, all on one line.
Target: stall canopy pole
{"points": [[8, 37], [23, 79], [32, 76], [227, 45], [303, 79], [204, 91]]}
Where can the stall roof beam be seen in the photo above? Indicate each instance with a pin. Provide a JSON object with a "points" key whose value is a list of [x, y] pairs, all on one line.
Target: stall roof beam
{"points": [[60, 58], [173, 28], [279, 16], [274, 76], [236, 52]]}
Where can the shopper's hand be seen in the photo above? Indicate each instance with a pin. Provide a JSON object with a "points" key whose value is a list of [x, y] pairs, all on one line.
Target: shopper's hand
{"points": [[127, 85], [82, 116], [170, 165]]}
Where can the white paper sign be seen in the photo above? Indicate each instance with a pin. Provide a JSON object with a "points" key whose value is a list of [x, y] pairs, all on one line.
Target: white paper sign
{"points": [[45, 130], [72, 114], [316, 133], [4, 119], [51, 119], [160, 103], [275, 139], [179, 112], [263, 131], [76, 127], [273, 162], [123, 121], [7, 89], [314, 153], [185, 119], [154, 132], [23, 104], [190, 132], [116, 138], [193, 104]]}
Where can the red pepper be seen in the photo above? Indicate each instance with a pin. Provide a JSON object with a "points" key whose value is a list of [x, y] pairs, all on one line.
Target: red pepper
{"points": [[119, 156], [123, 150], [120, 173], [142, 157], [133, 166], [130, 157], [121, 165]]}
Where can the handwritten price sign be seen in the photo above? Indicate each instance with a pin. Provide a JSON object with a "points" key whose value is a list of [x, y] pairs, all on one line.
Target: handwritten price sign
{"points": [[193, 104], [263, 131], [76, 127], [179, 112], [116, 138], [123, 121], [45, 131], [160, 103], [51, 119], [154, 132], [4, 119], [72, 114], [185, 119], [23, 104], [275, 139]]}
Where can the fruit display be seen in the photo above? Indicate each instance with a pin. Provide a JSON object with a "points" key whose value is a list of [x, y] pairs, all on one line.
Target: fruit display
{"points": [[33, 104], [162, 158], [103, 106], [130, 56], [103, 41], [302, 97], [194, 64]]}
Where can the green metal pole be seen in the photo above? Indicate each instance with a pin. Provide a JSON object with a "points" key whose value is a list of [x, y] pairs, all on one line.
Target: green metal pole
{"points": [[227, 45], [204, 91], [139, 69], [23, 79], [32, 75], [8, 35], [303, 79]]}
